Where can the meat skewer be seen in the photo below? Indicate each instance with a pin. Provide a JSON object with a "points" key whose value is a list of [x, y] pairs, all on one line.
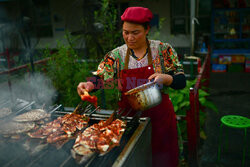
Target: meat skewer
{"points": [[99, 138], [62, 128]]}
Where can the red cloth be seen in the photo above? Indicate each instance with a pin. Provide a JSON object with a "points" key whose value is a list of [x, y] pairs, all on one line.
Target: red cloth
{"points": [[164, 131], [137, 15]]}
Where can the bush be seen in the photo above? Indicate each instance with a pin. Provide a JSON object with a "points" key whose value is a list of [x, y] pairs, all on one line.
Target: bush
{"points": [[181, 103], [66, 72]]}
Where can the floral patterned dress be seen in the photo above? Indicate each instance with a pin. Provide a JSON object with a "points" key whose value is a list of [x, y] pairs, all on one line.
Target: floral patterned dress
{"points": [[164, 57]]}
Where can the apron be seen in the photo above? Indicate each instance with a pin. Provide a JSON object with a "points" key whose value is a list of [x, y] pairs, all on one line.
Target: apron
{"points": [[164, 140]]}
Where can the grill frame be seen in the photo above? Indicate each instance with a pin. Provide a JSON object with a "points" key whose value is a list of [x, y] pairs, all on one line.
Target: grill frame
{"points": [[50, 156]]}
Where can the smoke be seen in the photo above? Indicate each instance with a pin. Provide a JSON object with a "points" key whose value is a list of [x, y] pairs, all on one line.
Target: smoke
{"points": [[37, 87], [31, 87], [15, 31]]}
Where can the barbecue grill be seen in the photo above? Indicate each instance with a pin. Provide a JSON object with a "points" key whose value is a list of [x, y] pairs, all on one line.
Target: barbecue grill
{"points": [[134, 148]]}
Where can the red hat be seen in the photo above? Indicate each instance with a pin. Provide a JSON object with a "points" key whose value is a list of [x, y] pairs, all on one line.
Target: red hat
{"points": [[137, 14]]}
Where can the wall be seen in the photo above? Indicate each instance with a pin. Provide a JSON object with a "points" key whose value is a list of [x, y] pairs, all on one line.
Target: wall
{"points": [[65, 9], [60, 13], [69, 14], [162, 8]]}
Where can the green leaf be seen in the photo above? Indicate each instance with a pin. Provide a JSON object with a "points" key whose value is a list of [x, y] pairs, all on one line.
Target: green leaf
{"points": [[202, 93], [184, 104], [203, 134], [202, 100], [179, 98], [176, 108]]}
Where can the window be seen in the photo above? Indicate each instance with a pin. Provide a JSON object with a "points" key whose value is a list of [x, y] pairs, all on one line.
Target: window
{"points": [[42, 16], [180, 16], [204, 15]]}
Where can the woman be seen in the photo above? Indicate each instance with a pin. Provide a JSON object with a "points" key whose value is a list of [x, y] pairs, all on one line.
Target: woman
{"points": [[143, 59]]}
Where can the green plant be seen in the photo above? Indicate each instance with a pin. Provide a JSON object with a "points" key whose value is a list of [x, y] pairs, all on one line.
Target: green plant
{"points": [[100, 41], [181, 103], [180, 98], [101, 31], [111, 37], [66, 73]]}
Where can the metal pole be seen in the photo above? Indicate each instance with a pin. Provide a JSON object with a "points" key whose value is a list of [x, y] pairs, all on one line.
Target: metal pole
{"points": [[192, 28], [192, 131]]}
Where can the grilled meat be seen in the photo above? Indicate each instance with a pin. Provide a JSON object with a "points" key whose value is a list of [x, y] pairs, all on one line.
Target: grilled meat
{"points": [[33, 115], [82, 150], [62, 128], [9, 128], [54, 138], [5, 112], [101, 137]]}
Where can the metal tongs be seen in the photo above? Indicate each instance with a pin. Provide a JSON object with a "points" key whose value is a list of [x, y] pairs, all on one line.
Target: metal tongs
{"points": [[80, 108], [117, 115]]}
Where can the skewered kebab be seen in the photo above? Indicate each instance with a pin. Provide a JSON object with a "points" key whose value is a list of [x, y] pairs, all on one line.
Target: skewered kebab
{"points": [[11, 128], [22, 123], [100, 138], [33, 115], [62, 128]]}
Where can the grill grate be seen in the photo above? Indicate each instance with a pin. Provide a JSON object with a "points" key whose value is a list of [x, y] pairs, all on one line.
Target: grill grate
{"points": [[13, 153]]}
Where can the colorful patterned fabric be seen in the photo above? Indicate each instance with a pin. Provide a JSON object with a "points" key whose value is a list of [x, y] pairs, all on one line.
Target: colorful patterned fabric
{"points": [[113, 62]]}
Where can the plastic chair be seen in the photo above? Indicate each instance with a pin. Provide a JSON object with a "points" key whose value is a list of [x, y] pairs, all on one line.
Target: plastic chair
{"points": [[235, 121]]}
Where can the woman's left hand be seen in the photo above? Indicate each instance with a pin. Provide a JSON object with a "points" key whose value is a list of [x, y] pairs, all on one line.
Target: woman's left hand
{"points": [[164, 79]]}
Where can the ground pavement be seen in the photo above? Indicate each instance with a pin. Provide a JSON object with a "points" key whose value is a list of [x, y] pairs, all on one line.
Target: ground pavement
{"points": [[230, 92]]}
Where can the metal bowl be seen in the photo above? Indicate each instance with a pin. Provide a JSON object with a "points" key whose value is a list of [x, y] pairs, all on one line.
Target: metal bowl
{"points": [[144, 97]]}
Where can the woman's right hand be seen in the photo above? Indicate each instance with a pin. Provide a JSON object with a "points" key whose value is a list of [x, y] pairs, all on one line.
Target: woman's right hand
{"points": [[84, 86]]}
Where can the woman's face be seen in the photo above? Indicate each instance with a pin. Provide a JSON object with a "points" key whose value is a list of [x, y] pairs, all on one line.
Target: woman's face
{"points": [[134, 35]]}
